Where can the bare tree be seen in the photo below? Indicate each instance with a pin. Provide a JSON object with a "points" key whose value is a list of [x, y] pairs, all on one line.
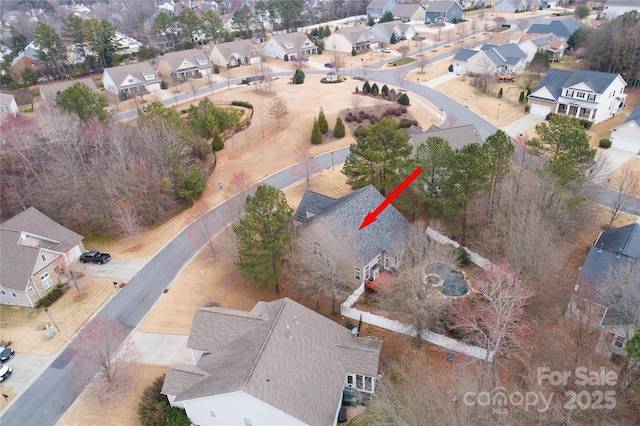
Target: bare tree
{"points": [[449, 35], [625, 187], [307, 165], [522, 24], [278, 109], [356, 102], [422, 59], [193, 85], [207, 225], [339, 62], [127, 220], [104, 352], [449, 122], [499, 20], [412, 295], [474, 28], [403, 50]]}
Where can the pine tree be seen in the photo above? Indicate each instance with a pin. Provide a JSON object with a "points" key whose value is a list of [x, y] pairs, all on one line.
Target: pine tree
{"points": [[339, 130], [353, 52], [385, 90], [366, 87], [500, 93], [322, 122], [521, 100], [375, 90], [393, 39], [316, 134], [217, 144], [404, 99]]}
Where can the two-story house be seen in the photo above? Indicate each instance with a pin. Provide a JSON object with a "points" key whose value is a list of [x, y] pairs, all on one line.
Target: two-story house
{"points": [[377, 8], [34, 251], [278, 364], [437, 12], [592, 95], [407, 12], [131, 79]]}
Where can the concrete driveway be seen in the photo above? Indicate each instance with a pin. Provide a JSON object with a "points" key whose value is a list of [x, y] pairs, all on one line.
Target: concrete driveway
{"points": [[121, 269], [522, 124], [26, 369], [162, 349]]}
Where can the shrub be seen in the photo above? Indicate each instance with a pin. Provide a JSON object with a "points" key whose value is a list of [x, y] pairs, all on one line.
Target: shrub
{"points": [[359, 120], [216, 69], [450, 68], [46, 302], [175, 416], [152, 404], [339, 130], [316, 134], [298, 76], [404, 99], [244, 104], [322, 122], [217, 144], [245, 81], [360, 131], [605, 143], [353, 51], [405, 123], [357, 90], [521, 99], [385, 91], [528, 93], [164, 85], [527, 108], [500, 93], [375, 90], [464, 258], [366, 87], [286, 57], [586, 123], [403, 109]]}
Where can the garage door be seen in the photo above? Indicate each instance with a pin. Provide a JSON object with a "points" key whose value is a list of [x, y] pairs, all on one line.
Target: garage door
{"points": [[625, 144], [540, 109]]}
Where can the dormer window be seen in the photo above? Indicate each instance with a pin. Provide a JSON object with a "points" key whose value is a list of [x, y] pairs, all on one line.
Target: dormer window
{"points": [[570, 93], [591, 97]]}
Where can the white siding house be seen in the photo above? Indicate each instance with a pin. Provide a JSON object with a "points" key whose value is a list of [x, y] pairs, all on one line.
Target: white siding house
{"points": [[131, 78]]}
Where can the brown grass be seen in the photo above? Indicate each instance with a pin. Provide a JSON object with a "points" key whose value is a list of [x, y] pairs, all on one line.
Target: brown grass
{"points": [[613, 181]]}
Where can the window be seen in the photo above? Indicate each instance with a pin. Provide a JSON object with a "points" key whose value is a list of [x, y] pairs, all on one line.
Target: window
{"points": [[587, 111], [130, 80], [212, 413], [367, 272], [349, 380], [358, 276], [46, 280], [619, 342], [570, 93], [359, 380], [368, 384], [2, 291], [13, 293], [580, 95], [247, 421], [43, 257], [32, 291], [591, 97]]}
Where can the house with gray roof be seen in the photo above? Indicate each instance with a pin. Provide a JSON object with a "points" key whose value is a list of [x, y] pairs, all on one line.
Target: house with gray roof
{"points": [[48, 92], [360, 253], [348, 38], [550, 43], [407, 12], [490, 59], [131, 79], [608, 294], [8, 105], [383, 30], [278, 364], [614, 8], [189, 63], [289, 44], [514, 6], [458, 136], [560, 27], [442, 11], [235, 53], [593, 95], [34, 252], [627, 135], [377, 8]]}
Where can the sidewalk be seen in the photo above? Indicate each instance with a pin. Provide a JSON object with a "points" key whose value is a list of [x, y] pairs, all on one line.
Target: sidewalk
{"points": [[610, 160], [439, 80]]}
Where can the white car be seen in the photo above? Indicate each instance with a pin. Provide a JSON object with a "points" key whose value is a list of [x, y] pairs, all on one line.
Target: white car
{"points": [[385, 50], [5, 371]]}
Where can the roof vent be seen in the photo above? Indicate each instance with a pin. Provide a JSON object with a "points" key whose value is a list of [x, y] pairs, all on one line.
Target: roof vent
{"points": [[289, 336], [297, 321]]}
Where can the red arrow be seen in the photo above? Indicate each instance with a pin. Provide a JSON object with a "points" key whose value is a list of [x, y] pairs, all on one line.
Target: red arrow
{"points": [[373, 216]]}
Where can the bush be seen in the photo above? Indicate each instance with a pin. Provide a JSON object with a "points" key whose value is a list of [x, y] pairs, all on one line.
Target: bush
{"points": [[385, 91], [500, 93], [286, 57], [527, 108], [360, 131], [450, 68], [151, 409], [605, 143], [243, 104], [298, 76], [217, 144], [586, 123], [175, 416], [405, 123], [353, 51], [216, 69], [404, 99], [521, 99], [375, 90], [366, 87], [245, 81], [464, 258], [357, 90], [46, 302], [164, 85], [316, 134], [339, 130], [322, 122]]}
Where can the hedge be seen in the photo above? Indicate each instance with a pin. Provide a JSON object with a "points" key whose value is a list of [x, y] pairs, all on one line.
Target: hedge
{"points": [[53, 295]]}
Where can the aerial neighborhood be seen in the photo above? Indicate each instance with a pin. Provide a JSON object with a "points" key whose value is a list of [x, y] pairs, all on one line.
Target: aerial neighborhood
{"points": [[289, 212]]}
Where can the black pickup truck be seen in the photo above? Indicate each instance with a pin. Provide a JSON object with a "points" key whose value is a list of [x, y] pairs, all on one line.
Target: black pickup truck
{"points": [[95, 257]]}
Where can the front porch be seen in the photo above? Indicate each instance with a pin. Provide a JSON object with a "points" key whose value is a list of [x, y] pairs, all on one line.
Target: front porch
{"points": [[576, 111]]}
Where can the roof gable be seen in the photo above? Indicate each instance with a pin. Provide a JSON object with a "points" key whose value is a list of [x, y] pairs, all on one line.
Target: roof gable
{"points": [[458, 137]]}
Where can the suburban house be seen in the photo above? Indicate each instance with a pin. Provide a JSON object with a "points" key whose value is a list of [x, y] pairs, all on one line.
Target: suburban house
{"points": [[442, 11], [550, 43], [377, 8], [490, 59], [627, 135], [131, 79], [278, 364], [560, 27], [592, 95], [127, 44], [349, 38], [514, 6], [35, 251], [8, 105], [615, 8], [29, 59], [48, 92], [407, 12], [234, 53], [383, 31], [360, 254], [458, 137], [612, 260], [279, 45], [189, 63]]}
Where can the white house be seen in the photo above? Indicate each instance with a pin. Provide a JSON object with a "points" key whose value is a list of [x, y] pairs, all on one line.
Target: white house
{"points": [[126, 43], [348, 38], [279, 364], [184, 63], [514, 6], [131, 78], [8, 105], [592, 95], [289, 44], [235, 53], [383, 30], [550, 43], [490, 59], [627, 135], [615, 8]]}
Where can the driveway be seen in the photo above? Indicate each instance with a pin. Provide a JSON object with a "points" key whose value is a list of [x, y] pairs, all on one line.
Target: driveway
{"points": [[121, 269], [161, 349], [26, 369], [522, 124]]}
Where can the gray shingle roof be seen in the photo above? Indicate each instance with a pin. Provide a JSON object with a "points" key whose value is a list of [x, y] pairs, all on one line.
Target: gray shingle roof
{"points": [[344, 217], [138, 70], [302, 376], [48, 91], [464, 54], [18, 256], [175, 59], [457, 137], [555, 80], [405, 10], [634, 116], [506, 54], [439, 6], [560, 27], [244, 48], [311, 204]]}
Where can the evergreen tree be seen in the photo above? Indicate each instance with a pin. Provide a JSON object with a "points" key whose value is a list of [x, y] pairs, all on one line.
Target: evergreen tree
{"points": [[298, 76], [339, 130], [217, 144], [385, 90], [316, 134], [80, 100], [353, 51], [263, 234], [366, 87], [375, 90], [322, 122], [521, 100], [404, 99], [393, 39], [500, 93]]}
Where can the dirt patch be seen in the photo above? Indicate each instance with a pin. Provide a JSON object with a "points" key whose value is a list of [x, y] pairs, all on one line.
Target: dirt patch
{"points": [[89, 410], [25, 327]]}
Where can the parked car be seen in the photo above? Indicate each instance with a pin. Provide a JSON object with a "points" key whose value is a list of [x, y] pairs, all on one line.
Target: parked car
{"points": [[417, 38], [342, 415], [329, 65], [5, 371], [298, 58], [95, 257], [385, 50], [6, 353]]}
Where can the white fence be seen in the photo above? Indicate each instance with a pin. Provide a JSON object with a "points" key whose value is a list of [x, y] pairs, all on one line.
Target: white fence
{"points": [[348, 311]]}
